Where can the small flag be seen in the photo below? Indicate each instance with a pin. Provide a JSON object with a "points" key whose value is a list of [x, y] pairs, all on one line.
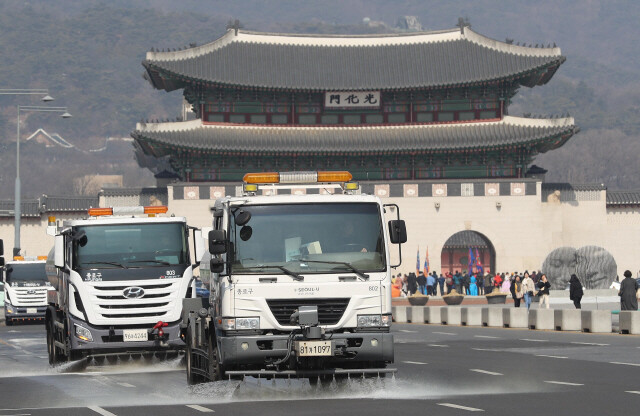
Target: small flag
{"points": [[479, 262], [426, 263], [418, 262], [471, 260]]}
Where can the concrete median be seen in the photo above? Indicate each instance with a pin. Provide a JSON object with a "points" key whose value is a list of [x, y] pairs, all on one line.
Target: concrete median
{"points": [[471, 316], [451, 315], [567, 319], [417, 314], [399, 314], [596, 321], [541, 319], [492, 317], [433, 314], [630, 322], [515, 318]]}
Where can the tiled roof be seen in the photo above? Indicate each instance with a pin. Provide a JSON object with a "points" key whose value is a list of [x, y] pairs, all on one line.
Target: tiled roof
{"points": [[464, 239], [134, 191], [156, 138], [28, 208], [68, 203], [623, 197], [366, 62], [560, 186]]}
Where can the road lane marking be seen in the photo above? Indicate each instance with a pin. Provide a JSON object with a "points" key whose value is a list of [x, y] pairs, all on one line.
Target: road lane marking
{"points": [[101, 411], [438, 345], [406, 330], [534, 340], [414, 362], [633, 364], [126, 384], [485, 336], [487, 349], [491, 373], [589, 343], [564, 383], [200, 408], [550, 356], [457, 406], [444, 333], [633, 392]]}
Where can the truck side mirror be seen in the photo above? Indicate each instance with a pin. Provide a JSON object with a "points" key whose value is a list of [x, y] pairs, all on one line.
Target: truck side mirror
{"points": [[59, 251], [218, 242], [216, 265], [1, 247], [397, 232], [198, 243]]}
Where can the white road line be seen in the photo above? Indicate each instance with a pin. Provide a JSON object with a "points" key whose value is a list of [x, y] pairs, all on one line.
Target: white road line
{"points": [[414, 362], [589, 343], [564, 383], [438, 345], [101, 411], [406, 330], [457, 406], [485, 336], [444, 333], [200, 408], [126, 384], [486, 349], [491, 373], [633, 364], [633, 392], [534, 340], [550, 356]]}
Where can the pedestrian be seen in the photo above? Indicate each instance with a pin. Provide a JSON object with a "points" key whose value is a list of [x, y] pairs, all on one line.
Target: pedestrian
{"points": [[405, 285], [516, 291], [544, 286], [506, 284], [466, 281], [449, 282], [527, 288], [473, 286], [412, 283], [441, 280], [431, 285], [497, 281], [457, 281], [575, 291], [422, 283], [628, 293], [480, 283]]}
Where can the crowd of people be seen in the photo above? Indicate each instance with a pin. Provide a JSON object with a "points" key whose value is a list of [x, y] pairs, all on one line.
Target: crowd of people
{"points": [[522, 287]]}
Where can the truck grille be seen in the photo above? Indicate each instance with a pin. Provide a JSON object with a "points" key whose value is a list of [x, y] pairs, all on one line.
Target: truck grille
{"points": [[36, 297], [329, 310], [159, 299]]}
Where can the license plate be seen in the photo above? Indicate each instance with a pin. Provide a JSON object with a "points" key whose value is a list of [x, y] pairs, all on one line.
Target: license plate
{"points": [[32, 310], [133, 335], [313, 348]]}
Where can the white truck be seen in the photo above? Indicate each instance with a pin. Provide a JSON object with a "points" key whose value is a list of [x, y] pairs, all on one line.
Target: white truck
{"points": [[120, 277], [300, 282], [25, 290]]}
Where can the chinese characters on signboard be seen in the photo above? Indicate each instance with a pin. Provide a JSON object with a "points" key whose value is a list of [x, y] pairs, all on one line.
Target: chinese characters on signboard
{"points": [[352, 99]]}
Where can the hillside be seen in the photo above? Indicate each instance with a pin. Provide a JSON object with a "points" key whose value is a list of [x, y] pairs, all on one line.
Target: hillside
{"points": [[88, 53]]}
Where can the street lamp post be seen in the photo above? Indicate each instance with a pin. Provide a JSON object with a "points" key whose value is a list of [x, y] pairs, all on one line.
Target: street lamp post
{"points": [[17, 206]]}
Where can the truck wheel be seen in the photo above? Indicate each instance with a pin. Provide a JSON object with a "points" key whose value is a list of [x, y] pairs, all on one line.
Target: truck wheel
{"points": [[192, 378], [52, 350], [215, 371]]}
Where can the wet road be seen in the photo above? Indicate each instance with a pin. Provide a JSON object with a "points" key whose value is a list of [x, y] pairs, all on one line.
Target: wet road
{"points": [[441, 370]]}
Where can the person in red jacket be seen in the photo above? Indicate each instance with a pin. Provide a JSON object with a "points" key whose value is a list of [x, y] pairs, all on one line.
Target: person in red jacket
{"points": [[497, 281]]}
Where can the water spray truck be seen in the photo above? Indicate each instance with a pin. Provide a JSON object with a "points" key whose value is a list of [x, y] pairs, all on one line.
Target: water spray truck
{"points": [[25, 289], [300, 282], [120, 276]]}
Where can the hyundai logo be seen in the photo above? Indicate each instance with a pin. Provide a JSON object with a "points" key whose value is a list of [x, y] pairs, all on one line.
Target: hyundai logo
{"points": [[31, 292], [133, 292]]}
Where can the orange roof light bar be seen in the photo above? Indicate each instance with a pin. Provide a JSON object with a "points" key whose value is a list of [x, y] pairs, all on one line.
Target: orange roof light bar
{"points": [[42, 257], [297, 177], [337, 176], [96, 212], [159, 209], [263, 177]]}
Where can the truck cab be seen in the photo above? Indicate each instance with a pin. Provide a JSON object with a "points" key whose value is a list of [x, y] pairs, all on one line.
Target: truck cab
{"points": [[120, 277], [25, 289], [300, 281]]}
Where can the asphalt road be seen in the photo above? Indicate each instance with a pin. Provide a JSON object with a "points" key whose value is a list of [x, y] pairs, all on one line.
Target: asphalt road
{"points": [[441, 370]]}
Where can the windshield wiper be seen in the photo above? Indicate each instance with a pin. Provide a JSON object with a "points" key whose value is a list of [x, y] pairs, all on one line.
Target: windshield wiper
{"points": [[113, 263], [166, 263], [284, 269], [342, 263]]}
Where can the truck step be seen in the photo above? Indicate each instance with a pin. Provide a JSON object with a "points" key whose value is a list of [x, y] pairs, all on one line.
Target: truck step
{"points": [[310, 373]]}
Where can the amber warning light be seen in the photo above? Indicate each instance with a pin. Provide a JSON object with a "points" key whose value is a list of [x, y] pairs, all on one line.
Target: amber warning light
{"points": [[151, 210], [297, 177]]}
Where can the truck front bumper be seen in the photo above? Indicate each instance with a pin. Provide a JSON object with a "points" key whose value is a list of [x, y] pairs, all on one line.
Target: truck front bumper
{"points": [[346, 347], [19, 313], [107, 341]]}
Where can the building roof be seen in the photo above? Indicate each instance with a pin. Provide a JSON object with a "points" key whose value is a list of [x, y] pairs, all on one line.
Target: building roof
{"points": [[465, 239], [28, 208], [158, 139], [622, 198], [44, 204], [339, 62], [562, 186], [134, 191]]}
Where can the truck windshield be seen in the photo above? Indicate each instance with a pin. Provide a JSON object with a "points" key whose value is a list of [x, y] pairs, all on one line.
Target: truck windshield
{"points": [[334, 238], [131, 245], [28, 272]]}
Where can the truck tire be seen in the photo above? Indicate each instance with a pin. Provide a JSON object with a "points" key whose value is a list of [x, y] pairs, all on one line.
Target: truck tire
{"points": [[214, 370], [192, 378], [52, 350]]}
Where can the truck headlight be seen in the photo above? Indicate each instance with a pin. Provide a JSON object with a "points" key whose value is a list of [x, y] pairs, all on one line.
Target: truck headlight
{"points": [[230, 324], [83, 333], [8, 306], [371, 321]]}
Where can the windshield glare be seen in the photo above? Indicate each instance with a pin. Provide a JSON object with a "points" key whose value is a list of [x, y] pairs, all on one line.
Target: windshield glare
{"points": [[28, 272], [131, 245], [287, 235]]}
